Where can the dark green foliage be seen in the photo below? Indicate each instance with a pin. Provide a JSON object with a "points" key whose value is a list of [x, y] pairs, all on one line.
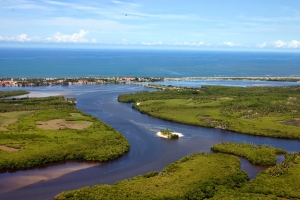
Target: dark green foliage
{"points": [[281, 181], [33, 104], [150, 174], [261, 154], [170, 134], [12, 93], [283, 167], [211, 173]]}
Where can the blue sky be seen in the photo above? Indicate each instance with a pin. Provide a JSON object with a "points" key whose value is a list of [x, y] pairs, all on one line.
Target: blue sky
{"points": [[209, 24]]}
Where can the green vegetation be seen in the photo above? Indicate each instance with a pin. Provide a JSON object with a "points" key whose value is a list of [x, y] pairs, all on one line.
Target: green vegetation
{"points": [[12, 93], [265, 111], [198, 176], [260, 155], [11, 117], [170, 134], [51, 129], [206, 176], [285, 185]]}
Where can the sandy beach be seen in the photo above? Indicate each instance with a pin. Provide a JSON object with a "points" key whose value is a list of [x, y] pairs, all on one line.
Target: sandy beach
{"points": [[43, 94], [159, 134]]}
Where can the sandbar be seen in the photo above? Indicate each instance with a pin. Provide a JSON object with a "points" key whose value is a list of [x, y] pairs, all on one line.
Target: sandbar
{"points": [[24, 178], [159, 134]]}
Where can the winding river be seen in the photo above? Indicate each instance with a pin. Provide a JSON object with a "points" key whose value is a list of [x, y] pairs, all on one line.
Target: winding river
{"points": [[148, 152]]}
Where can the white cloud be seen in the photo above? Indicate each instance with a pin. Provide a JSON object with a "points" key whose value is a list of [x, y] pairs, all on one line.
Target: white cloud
{"points": [[279, 44], [190, 44], [230, 44], [57, 38], [73, 38], [262, 45], [20, 38], [294, 44], [152, 43], [200, 44]]}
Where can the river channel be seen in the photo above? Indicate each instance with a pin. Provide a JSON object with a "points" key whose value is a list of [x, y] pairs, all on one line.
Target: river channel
{"points": [[148, 152]]}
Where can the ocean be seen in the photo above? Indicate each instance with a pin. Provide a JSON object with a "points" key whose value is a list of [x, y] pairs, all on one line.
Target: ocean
{"points": [[57, 63]]}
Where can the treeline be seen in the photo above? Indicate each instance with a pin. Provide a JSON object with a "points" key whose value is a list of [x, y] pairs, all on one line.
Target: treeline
{"points": [[12, 93], [32, 104], [261, 154]]}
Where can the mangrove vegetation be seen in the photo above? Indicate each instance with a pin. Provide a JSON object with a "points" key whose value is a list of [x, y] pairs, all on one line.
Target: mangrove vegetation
{"points": [[197, 176], [264, 111], [35, 131], [12, 93], [202, 176], [261, 154]]}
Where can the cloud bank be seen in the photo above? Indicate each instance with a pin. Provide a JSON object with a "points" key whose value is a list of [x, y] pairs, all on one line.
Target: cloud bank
{"points": [[80, 37], [279, 44], [58, 37]]}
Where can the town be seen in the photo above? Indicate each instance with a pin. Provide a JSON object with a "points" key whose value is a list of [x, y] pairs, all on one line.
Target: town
{"points": [[25, 82]]}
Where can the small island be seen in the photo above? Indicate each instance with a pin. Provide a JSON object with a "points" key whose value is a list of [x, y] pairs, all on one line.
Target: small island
{"points": [[169, 134]]}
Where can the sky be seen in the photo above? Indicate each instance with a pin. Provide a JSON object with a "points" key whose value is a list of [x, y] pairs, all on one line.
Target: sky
{"points": [[201, 24]]}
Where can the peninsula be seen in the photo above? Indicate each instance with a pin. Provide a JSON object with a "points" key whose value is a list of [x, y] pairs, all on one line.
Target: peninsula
{"points": [[24, 82]]}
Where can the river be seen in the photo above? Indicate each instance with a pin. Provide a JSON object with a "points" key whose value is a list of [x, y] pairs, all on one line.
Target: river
{"points": [[148, 152]]}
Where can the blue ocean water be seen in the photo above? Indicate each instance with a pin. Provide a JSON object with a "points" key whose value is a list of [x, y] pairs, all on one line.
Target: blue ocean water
{"points": [[54, 63]]}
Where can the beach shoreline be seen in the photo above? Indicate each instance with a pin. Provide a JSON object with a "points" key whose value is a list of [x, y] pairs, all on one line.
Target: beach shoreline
{"points": [[159, 134]]}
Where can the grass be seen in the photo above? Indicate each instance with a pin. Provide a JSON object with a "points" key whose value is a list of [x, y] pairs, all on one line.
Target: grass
{"points": [[259, 155], [253, 110], [11, 117], [197, 176], [57, 124]]}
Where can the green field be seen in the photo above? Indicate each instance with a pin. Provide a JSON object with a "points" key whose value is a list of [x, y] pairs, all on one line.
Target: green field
{"points": [[265, 111], [34, 131]]}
